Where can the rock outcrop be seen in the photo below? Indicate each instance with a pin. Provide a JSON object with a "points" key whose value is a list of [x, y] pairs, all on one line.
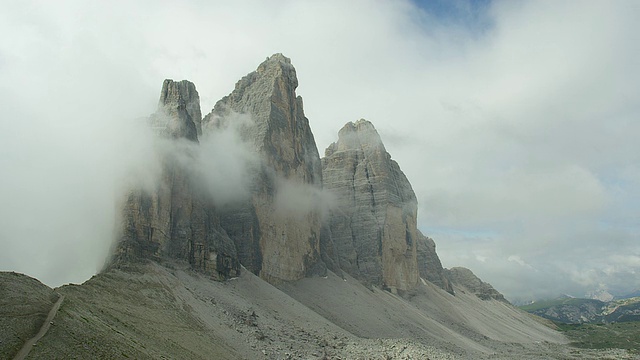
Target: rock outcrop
{"points": [[429, 264], [373, 224], [467, 279], [176, 220], [178, 115], [278, 231], [24, 305]]}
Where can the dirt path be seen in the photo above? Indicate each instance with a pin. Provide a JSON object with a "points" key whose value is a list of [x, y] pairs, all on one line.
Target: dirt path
{"points": [[26, 348]]}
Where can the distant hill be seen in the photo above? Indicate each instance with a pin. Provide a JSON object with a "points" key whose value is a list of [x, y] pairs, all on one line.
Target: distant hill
{"points": [[577, 311], [635, 293]]}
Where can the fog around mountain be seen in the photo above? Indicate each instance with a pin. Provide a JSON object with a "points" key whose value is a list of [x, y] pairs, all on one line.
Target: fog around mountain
{"points": [[517, 128]]}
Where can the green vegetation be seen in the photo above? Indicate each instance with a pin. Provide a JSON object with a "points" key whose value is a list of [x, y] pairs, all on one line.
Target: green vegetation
{"points": [[538, 305], [624, 335]]}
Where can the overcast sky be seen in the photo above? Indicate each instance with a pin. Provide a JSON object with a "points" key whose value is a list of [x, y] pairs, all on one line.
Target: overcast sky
{"points": [[516, 122]]}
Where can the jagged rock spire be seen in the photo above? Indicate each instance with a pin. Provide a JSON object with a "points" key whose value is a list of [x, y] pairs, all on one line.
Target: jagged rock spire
{"points": [[279, 130], [176, 220], [178, 114], [270, 116], [374, 223], [357, 135]]}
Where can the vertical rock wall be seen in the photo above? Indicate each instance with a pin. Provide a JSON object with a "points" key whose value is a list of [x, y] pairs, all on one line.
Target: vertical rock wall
{"points": [[374, 223], [176, 220], [273, 241]]}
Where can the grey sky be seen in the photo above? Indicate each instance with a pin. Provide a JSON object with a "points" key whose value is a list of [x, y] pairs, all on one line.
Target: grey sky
{"points": [[518, 131]]}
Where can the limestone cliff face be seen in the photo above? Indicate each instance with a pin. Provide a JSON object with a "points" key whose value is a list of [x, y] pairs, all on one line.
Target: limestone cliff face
{"points": [[274, 240], [176, 220], [373, 224], [429, 264], [467, 279]]}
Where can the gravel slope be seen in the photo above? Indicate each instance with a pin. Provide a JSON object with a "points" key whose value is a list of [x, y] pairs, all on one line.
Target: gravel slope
{"points": [[168, 312], [24, 305]]}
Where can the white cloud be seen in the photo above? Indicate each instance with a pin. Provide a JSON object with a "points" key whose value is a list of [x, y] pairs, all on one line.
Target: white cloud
{"points": [[518, 138], [518, 260]]}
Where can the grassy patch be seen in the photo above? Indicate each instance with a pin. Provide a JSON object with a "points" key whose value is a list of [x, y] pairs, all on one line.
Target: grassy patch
{"points": [[538, 305], [623, 335]]}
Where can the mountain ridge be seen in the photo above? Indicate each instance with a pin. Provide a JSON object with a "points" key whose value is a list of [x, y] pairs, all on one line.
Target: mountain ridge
{"points": [[570, 310], [275, 240], [321, 258]]}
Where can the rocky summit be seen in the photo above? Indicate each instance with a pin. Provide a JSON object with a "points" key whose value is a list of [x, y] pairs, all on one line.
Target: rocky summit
{"points": [[175, 220], [373, 224], [277, 231], [178, 114]]}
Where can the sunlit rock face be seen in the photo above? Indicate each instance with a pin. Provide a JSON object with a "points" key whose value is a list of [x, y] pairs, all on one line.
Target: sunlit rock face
{"points": [[373, 224], [278, 232], [174, 219]]}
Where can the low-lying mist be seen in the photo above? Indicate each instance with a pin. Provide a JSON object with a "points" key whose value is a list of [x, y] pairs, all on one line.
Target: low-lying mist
{"points": [[65, 181]]}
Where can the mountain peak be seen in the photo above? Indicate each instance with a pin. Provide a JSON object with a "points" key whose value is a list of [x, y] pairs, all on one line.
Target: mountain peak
{"points": [[175, 221], [360, 134], [269, 243], [176, 92], [374, 223], [178, 113], [278, 58], [279, 66], [361, 125]]}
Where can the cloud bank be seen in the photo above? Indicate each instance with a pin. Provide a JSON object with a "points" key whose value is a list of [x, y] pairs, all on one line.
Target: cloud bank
{"points": [[515, 123]]}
